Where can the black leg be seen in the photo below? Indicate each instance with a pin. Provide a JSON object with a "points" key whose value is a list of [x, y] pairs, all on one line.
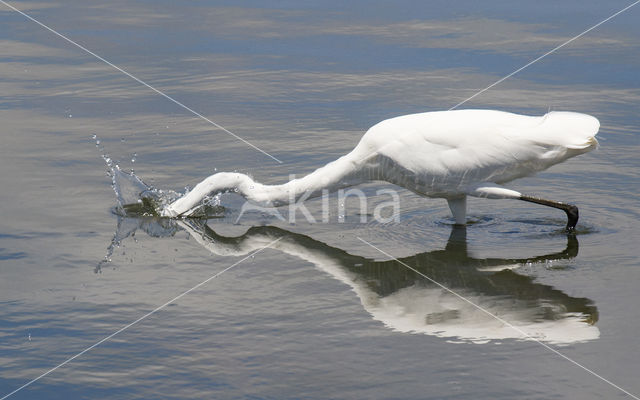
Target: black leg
{"points": [[570, 209]]}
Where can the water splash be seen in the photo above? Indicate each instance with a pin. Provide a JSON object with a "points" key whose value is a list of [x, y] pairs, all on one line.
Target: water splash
{"points": [[135, 198], [127, 227], [139, 205]]}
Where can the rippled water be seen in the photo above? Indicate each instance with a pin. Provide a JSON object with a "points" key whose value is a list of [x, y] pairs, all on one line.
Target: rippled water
{"points": [[321, 314]]}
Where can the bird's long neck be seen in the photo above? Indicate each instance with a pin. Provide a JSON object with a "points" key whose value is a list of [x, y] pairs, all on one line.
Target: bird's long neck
{"points": [[343, 172], [340, 173], [218, 183]]}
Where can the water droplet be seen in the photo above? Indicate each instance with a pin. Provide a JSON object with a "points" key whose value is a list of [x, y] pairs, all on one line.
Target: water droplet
{"points": [[98, 142], [94, 137], [70, 116]]}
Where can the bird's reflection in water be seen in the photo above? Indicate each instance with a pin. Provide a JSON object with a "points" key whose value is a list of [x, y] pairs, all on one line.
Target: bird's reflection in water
{"points": [[404, 301]]}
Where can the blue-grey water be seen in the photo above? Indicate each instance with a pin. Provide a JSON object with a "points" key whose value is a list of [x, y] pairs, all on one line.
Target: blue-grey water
{"points": [[321, 314]]}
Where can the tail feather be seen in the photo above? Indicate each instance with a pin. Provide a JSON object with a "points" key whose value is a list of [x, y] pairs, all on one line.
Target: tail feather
{"points": [[591, 143], [572, 130]]}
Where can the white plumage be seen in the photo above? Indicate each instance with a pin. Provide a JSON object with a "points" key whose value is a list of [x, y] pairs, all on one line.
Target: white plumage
{"points": [[444, 154]]}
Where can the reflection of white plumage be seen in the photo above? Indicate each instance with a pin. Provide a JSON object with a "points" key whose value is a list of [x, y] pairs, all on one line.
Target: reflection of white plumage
{"points": [[447, 154], [405, 302]]}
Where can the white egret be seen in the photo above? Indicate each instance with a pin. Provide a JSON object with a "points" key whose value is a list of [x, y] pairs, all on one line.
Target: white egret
{"points": [[442, 154]]}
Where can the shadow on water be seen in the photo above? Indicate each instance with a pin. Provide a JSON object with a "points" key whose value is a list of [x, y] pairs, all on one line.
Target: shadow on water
{"points": [[406, 302]]}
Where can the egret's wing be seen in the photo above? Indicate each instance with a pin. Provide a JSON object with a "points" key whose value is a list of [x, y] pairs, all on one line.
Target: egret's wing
{"points": [[489, 145]]}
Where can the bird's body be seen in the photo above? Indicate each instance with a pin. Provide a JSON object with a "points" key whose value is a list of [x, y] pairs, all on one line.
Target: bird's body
{"points": [[439, 154], [444, 154]]}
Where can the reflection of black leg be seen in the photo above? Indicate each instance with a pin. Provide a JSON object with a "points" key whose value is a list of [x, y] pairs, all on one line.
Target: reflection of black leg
{"points": [[572, 247], [570, 252], [457, 240], [570, 209]]}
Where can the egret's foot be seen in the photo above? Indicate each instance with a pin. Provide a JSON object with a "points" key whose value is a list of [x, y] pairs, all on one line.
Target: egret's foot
{"points": [[569, 209], [572, 217]]}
